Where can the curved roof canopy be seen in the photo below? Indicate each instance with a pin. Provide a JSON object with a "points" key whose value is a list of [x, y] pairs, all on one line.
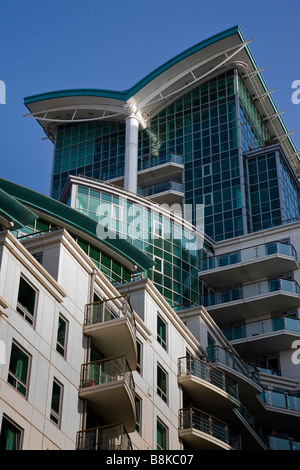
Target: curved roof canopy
{"points": [[28, 205], [188, 69]]}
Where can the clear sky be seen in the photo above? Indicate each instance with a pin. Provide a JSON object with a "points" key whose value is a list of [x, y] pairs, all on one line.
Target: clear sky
{"points": [[63, 44]]}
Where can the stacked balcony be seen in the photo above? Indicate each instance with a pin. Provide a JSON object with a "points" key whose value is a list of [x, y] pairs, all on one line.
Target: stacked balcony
{"points": [[108, 386], [263, 336], [246, 376], [111, 325], [206, 385], [247, 301], [249, 264], [112, 437], [200, 430]]}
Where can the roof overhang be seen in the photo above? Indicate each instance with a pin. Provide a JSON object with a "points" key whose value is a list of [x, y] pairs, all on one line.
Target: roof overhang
{"points": [[185, 71]]}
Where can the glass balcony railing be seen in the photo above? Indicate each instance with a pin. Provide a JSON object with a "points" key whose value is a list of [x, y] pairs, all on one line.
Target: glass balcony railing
{"points": [[150, 161], [283, 443], [107, 310], [193, 366], [222, 356], [160, 188], [113, 437], [261, 327], [248, 254], [192, 418], [106, 371], [251, 290], [281, 400]]}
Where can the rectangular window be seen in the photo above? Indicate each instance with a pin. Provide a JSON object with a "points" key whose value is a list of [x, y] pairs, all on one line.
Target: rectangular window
{"points": [[139, 367], [26, 300], [161, 436], [18, 374], [162, 377], [62, 336], [138, 410], [161, 332], [56, 403], [10, 436]]}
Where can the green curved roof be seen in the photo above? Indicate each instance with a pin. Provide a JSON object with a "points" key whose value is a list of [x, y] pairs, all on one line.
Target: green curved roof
{"points": [[125, 95], [14, 212], [70, 218]]}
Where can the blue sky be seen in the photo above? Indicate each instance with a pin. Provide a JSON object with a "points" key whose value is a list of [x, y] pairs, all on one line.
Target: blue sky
{"points": [[112, 44]]}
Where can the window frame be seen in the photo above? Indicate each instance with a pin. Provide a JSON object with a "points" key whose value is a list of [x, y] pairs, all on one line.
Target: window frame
{"points": [[11, 374], [158, 446], [21, 309], [162, 342], [138, 422], [53, 413], [19, 432], [139, 367], [58, 344], [160, 392]]}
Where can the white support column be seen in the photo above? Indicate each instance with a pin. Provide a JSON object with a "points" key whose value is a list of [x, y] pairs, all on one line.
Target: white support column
{"points": [[131, 149]]}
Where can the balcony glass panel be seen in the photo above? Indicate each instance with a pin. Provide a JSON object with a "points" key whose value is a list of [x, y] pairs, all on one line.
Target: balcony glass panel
{"points": [[193, 366], [251, 290], [104, 438], [281, 400], [160, 188], [281, 443], [261, 327], [248, 254], [106, 310], [150, 161], [218, 354], [105, 371], [196, 419]]}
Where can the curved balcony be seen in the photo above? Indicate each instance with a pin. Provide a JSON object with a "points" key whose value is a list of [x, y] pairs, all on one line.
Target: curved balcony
{"points": [[246, 376], [283, 406], [111, 325], [170, 192], [201, 431], [249, 264], [206, 385], [263, 336], [233, 305], [111, 437], [108, 386], [283, 443]]}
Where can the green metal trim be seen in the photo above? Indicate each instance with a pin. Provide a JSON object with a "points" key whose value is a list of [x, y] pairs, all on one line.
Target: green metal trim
{"points": [[125, 95], [15, 212], [68, 217]]}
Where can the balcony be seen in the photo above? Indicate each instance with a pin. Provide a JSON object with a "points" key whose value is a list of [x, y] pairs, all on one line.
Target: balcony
{"points": [[233, 305], [170, 192], [246, 376], [206, 385], [201, 431], [108, 386], [111, 325], [263, 336], [112, 437], [283, 406], [249, 264], [283, 443], [150, 168]]}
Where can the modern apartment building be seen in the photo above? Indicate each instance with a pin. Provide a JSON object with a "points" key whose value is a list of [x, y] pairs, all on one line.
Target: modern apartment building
{"points": [[175, 208]]}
